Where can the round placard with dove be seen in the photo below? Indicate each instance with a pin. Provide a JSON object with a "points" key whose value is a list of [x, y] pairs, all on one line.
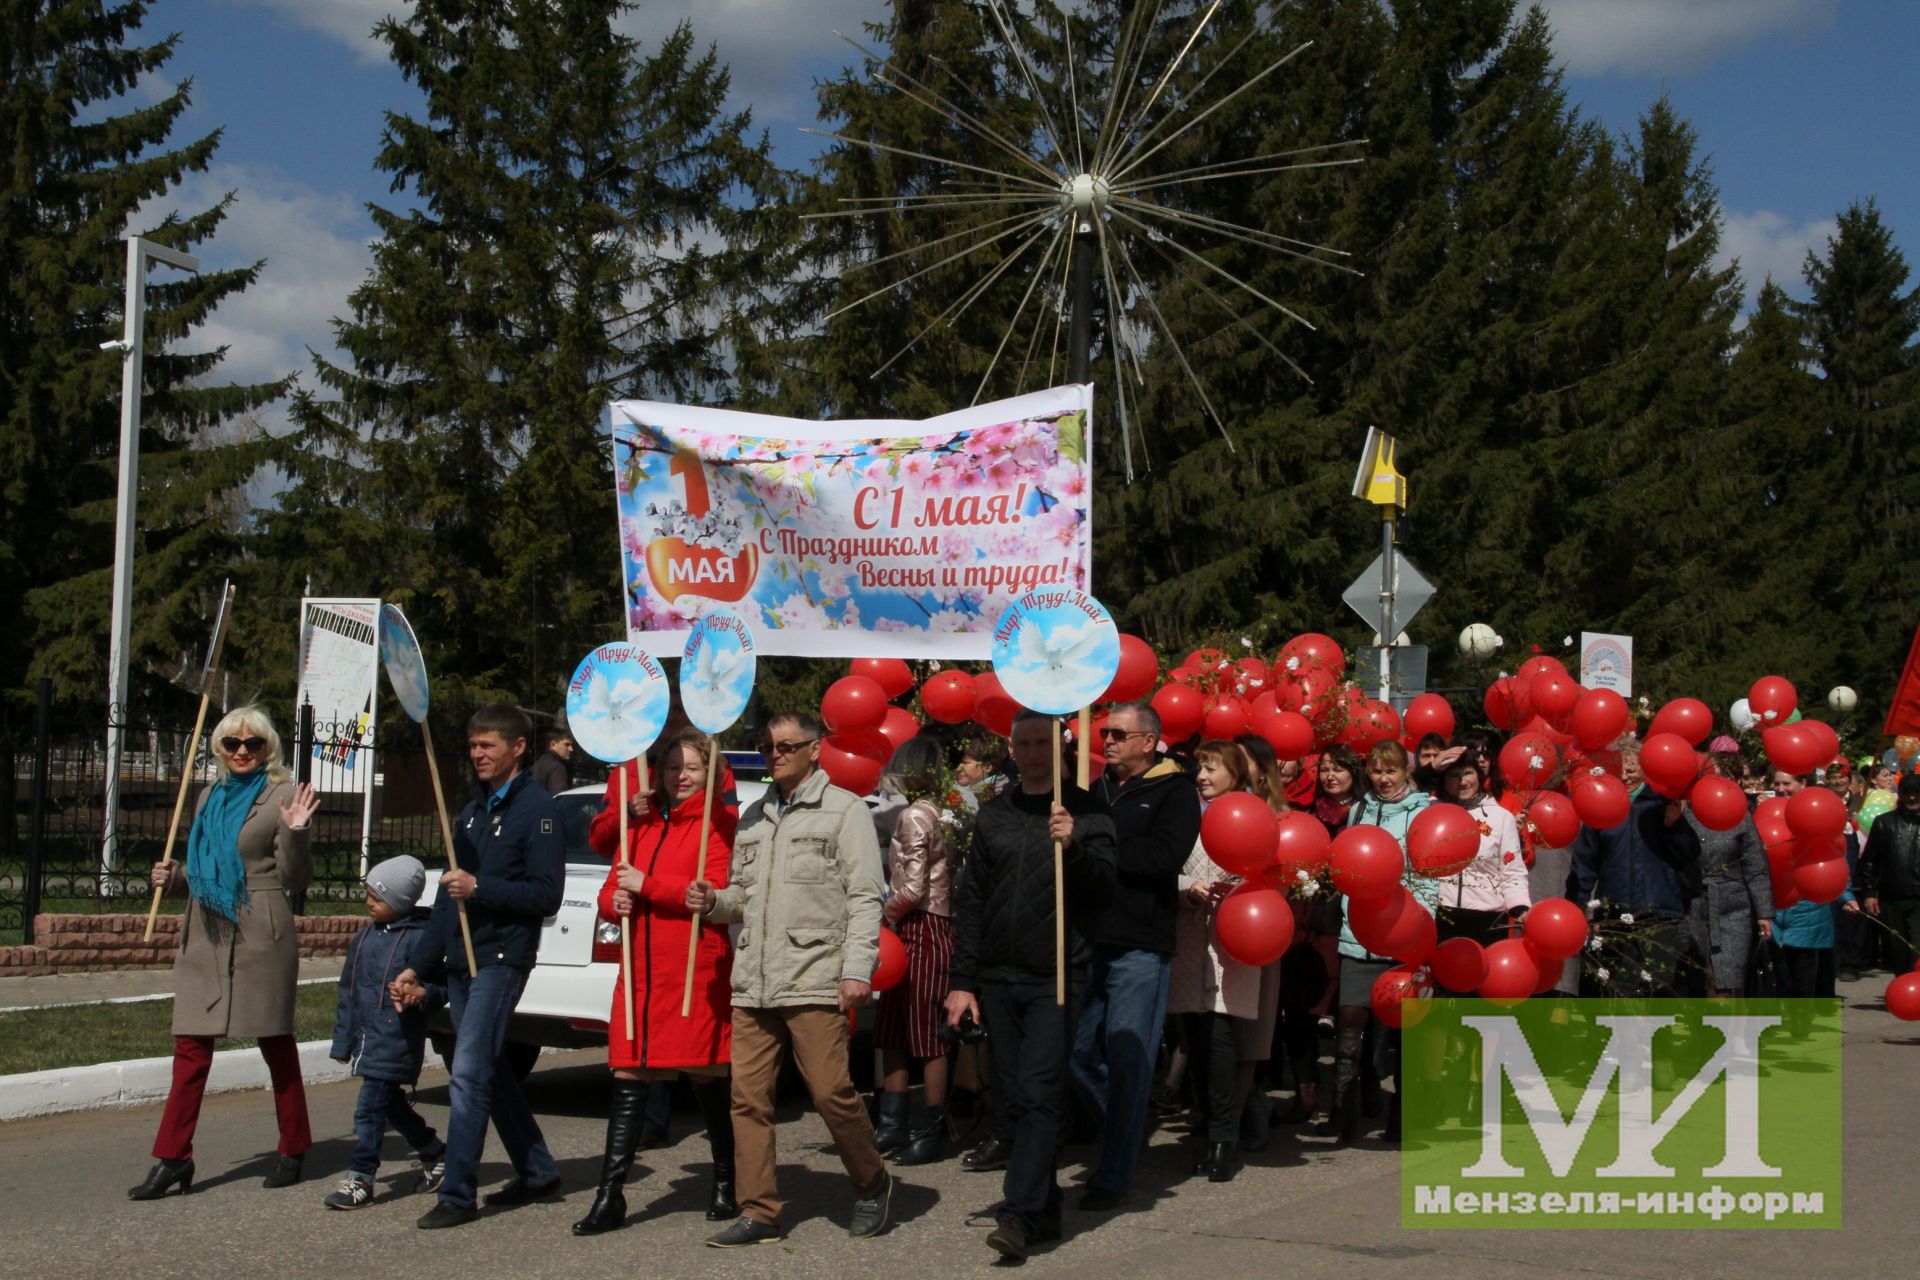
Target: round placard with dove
{"points": [[617, 702], [717, 670], [1056, 650], [406, 668]]}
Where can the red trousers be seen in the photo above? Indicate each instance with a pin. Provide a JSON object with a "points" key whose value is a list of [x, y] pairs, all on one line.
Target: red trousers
{"points": [[193, 1057]]}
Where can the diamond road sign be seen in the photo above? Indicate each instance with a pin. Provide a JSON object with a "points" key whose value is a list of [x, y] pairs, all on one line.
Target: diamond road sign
{"points": [[1411, 593]]}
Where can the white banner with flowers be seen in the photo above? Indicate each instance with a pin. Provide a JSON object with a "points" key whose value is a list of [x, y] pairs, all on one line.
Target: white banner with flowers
{"points": [[878, 538]]}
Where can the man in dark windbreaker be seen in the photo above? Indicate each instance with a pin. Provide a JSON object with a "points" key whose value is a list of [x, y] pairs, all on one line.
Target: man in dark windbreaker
{"points": [[1003, 964], [513, 865], [1156, 819]]}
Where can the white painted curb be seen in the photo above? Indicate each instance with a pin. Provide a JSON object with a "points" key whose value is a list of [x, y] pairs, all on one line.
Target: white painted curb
{"points": [[142, 1080]]}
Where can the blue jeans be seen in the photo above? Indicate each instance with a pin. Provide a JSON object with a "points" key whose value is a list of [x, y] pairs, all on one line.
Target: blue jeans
{"points": [[484, 1086], [1115, 1045], [383, 1103]]}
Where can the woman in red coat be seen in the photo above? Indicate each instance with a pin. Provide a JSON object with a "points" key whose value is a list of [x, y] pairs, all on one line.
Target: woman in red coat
{"points": [[649, 890]]}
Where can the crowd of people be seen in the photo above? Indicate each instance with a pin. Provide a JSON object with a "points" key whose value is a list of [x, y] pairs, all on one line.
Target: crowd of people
{"points": [[756, 934]]}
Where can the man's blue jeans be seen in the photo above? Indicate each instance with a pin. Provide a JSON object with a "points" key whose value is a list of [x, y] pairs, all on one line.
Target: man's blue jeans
{"points": [[484, 1086], [1115, 1045]]}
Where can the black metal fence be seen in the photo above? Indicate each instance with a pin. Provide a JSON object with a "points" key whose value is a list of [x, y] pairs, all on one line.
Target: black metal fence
{"points": [[54, 848]]}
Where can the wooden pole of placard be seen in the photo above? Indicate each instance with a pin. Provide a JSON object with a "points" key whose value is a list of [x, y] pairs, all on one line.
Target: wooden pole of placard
{"points": [[193, 746], [1083, 759], [446, 833], [1059, 886], [699, 873], [626, 921]]}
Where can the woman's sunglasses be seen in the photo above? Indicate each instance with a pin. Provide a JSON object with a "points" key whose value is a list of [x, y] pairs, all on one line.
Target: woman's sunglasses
{"points": [[253, 745]]}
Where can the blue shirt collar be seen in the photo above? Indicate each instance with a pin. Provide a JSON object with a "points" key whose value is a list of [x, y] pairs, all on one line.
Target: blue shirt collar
{"points": [[497, 798]]}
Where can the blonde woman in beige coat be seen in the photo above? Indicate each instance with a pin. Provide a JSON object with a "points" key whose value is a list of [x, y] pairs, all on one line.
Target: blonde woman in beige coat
{"points": [[238, 961]]}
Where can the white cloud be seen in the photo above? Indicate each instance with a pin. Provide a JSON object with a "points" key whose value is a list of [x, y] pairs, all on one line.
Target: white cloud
{"points": [[1593, 37], [315, 246], [762, 41], [1766, 243]]}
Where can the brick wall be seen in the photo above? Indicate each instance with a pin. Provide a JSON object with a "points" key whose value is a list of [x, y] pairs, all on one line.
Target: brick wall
{"points": [[97, 943]]}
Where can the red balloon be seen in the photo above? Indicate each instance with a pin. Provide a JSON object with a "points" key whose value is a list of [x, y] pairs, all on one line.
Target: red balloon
{"points": [[1555, 928], [1512, 973], [1289, 733], [1428, 713], [892, 675], [1816, 813], [1312, 651], [1821, 881], [948, 696], [1302, 845], [899, 727], [1688, 718], [1772, 809], [1599, 718], [1554, 822], [1367, 863], [1718, 802], [1207, 662], [1460, 964], [1239, 833], [1555, 695], [1772, 699], [1784, 895], [1903, 997], [1182, 710], [1550, 971], [853, 704], [1254, 924], [993, 706], [854, 761], [1669, 764], [1509, 701], [1399, 996], [1792, 748], [1600, 799], [1528, 762], [1138, 672], [1380, 723], [892, 963], [1442, 839], [1396, 926], [1808, 851], [1226, 717], [1825, 742], [1541, 664]]}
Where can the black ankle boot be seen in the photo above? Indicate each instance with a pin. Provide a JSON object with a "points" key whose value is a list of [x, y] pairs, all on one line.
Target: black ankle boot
{"points": [[609, 1208], [1223, 1161], [928, 1142], [162, 1176], [716, 1109], [891, 1133]]}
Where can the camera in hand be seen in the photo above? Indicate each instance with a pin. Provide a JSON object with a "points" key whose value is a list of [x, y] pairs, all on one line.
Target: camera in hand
{"points": [[968, 1032]]}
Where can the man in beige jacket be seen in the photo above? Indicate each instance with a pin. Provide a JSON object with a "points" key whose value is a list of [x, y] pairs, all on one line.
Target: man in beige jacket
{"points": [[804, 885]]}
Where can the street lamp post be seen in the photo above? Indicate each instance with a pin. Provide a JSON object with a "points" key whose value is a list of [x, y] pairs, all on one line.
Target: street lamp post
{"points": [[141, 255]]}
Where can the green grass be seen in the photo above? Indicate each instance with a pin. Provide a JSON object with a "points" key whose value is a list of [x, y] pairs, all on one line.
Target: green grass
{"points": [[80, 1035]]}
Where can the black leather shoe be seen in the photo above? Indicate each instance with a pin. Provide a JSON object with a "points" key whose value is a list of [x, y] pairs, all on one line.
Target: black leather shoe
{"points": [[520, 1191], [444, 1215], [285, 1172], [1223, 1161], [744, 1231], [1099, 1199], [163, 1175], [989, 1157], [929, 1141]]}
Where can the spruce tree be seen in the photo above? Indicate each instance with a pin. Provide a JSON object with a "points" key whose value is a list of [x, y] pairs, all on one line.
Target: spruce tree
{"points": [[82, 163], [576, 226]]}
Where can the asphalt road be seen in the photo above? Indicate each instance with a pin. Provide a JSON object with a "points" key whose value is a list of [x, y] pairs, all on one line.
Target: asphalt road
{"points": [[1299, 1209]]}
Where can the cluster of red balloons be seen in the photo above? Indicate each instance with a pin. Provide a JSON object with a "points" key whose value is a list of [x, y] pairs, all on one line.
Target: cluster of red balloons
{"points": [[864, 726], [1806, 845]]}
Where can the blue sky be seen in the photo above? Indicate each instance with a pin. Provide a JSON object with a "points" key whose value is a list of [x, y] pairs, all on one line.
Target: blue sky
{"points": [[1802, 106]]}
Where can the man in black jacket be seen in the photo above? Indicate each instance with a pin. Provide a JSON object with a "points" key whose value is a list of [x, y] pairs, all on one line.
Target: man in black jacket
{"points": [[1004, 957], [1156, 819], [513, 865], [1889, 870]]}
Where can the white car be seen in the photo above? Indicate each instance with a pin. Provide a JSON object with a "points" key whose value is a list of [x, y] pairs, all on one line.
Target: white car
{"points": [[570, 990]]}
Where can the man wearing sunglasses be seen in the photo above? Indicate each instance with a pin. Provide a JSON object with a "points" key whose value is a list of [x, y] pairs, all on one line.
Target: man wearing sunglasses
{"points": [[1156, 819], [804, 885]]}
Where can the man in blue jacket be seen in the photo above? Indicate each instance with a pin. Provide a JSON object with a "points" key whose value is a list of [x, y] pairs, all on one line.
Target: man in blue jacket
{"points": [[512, 854], [1643, 872]]}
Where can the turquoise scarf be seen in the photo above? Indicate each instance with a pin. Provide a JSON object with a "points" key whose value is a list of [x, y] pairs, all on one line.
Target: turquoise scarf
{"points": [[214, 870]]}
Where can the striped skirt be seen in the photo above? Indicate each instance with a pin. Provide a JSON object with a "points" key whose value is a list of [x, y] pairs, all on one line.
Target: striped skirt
{"points": [[912, 1013]]}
